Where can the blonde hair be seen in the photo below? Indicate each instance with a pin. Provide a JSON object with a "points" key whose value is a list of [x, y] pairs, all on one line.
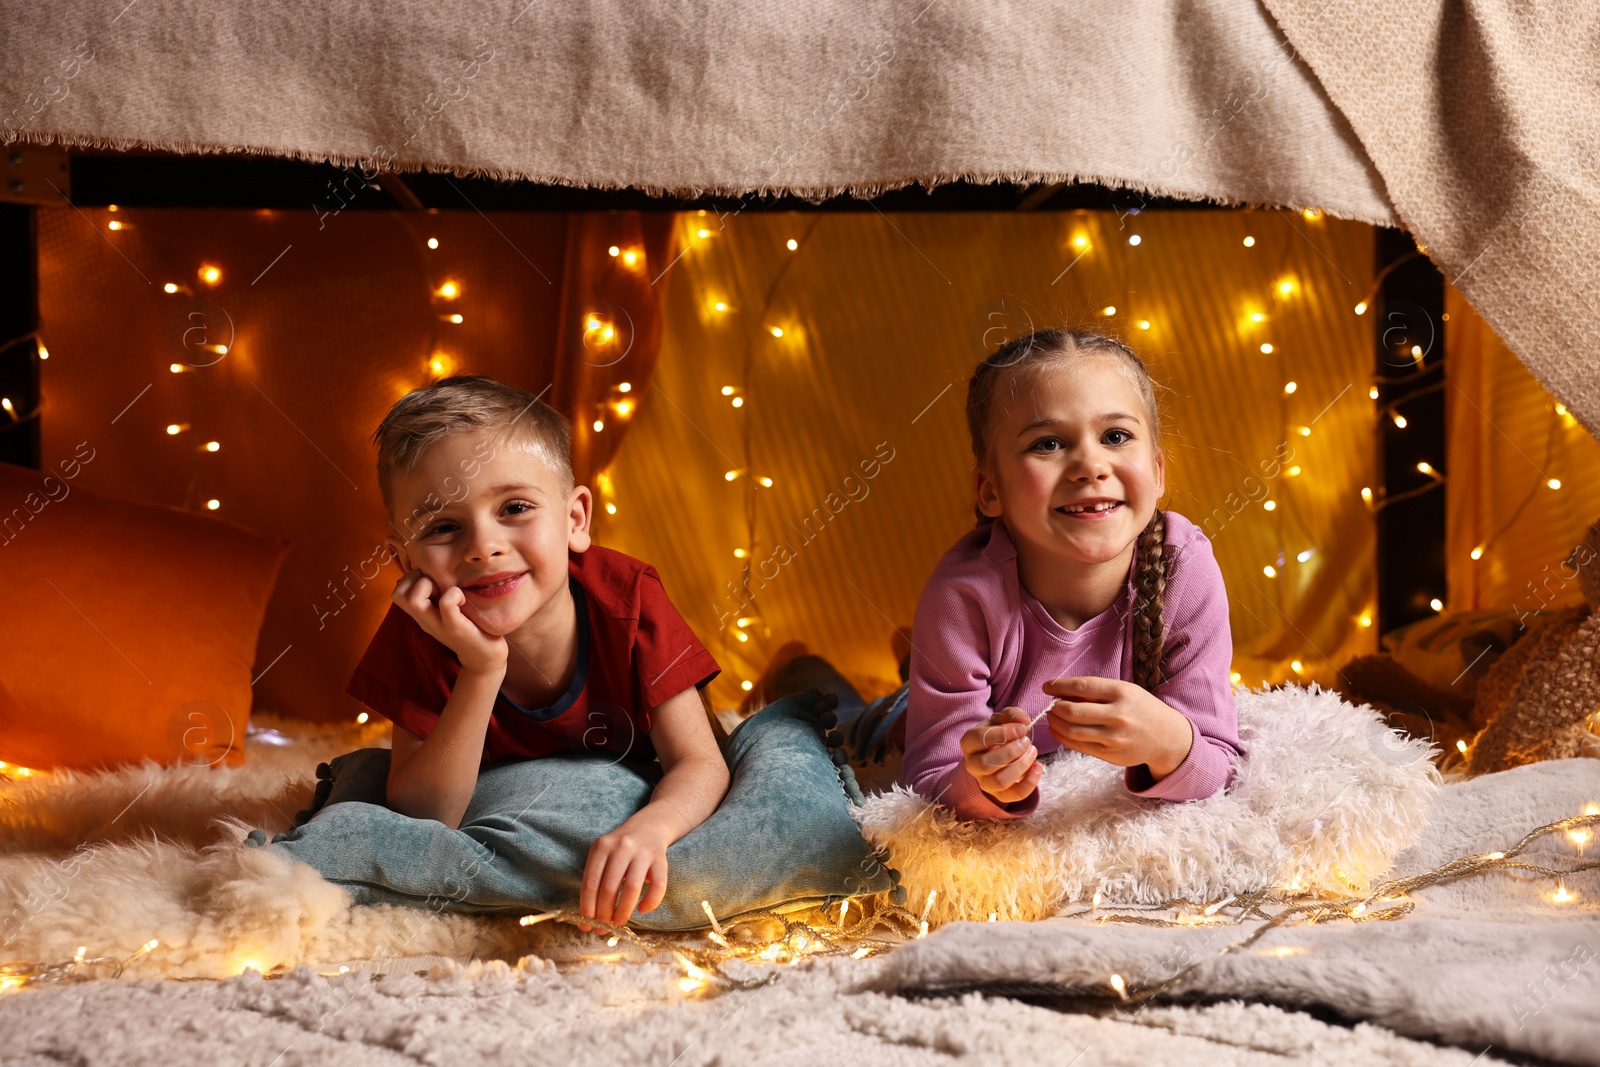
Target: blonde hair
{"points": [[1030, 355], [467, 403]]}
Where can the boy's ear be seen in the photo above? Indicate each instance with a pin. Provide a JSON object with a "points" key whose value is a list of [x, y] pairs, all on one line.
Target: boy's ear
{"points": [[987, 492], [397, 551], [579, 511]]}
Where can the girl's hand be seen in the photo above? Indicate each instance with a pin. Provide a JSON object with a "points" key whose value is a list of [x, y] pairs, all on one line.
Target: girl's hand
{"points": [[998, 753], [620, 864], [445, 618], [1118, 722]]}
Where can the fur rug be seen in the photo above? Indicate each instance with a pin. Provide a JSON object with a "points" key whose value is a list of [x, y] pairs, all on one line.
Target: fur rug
{"points": [[1495, 959], [1326, 797], [111, 860]]}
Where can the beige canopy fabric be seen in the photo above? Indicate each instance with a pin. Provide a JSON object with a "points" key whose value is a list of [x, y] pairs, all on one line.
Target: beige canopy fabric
{"points": [[1472, 124]]}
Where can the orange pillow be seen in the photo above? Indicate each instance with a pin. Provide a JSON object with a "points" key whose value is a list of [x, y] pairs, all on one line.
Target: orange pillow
{"points": [[129, 630]]}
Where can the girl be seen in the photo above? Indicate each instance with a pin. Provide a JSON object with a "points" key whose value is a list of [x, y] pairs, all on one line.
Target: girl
{"points": [[1075, 594]]}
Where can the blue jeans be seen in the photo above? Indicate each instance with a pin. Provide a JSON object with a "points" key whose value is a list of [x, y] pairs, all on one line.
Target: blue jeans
{"points": [[865, 726]]}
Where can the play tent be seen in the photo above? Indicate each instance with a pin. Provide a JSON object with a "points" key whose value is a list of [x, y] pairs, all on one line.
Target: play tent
{"points": [[327, 315]]}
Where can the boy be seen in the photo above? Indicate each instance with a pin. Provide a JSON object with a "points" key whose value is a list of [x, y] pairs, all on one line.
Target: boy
{"points": [[511, 636]]}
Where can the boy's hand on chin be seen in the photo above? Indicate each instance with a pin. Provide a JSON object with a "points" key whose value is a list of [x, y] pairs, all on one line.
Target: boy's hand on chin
{"points": [[620, 865], [1118, 722], [1001, 756], [450, 620]]}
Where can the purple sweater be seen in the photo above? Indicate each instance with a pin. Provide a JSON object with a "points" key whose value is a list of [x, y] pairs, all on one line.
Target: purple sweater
{"points": [[984, 643]]}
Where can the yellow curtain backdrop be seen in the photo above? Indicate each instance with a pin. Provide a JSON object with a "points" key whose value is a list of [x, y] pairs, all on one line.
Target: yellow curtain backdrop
{"points": [[1524, 476], [806, 418]]}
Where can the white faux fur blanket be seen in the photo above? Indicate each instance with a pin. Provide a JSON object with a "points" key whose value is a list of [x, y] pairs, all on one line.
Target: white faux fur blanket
{"points": [[110, 860], [1323, 801]]}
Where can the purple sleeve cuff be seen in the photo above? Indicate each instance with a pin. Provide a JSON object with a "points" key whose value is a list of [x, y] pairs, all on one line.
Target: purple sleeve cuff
{"points": [[1203, 772], [959, 791]]}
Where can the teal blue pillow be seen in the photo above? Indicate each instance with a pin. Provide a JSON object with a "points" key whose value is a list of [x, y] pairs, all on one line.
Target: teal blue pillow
{"points": [[782, 836]]}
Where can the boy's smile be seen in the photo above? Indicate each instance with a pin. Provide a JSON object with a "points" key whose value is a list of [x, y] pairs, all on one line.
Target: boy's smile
{"points": [[498, 527]]}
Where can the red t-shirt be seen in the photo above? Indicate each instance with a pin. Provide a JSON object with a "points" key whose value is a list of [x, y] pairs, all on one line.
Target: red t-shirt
{"points": [[634, 651]]}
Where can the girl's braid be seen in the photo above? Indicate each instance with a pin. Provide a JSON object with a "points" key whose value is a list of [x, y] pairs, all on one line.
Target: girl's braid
{"points": [[1150, 587]]}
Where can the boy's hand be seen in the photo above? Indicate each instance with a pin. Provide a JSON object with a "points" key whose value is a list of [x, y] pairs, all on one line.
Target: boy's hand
{"points": [[1118, 722], [619, 866], [998, 753], [446, 619]]}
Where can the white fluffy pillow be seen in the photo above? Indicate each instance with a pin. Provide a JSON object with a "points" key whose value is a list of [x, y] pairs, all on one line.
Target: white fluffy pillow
{"points": [[1324, 799]]}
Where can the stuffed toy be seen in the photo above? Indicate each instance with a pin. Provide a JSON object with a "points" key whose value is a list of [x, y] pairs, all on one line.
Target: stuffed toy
{"points": [[1541, 699]]}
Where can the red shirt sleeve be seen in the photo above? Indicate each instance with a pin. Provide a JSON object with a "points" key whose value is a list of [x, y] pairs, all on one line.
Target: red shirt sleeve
{"points": [[397, 678], [668, 657]]}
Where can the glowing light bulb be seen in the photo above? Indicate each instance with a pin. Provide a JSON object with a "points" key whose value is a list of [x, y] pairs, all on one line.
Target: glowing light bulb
{"points": [[113, 225], [1361, 308], [1399, 420], [449, 291], [213, 504], [433, 242], [728, 477], [1416, 351], [175, 368], [1372, 394], [1135, 240], [1312, 214], [1270, 505], [629, 258], [362, 718], [1305, 431], [44, 353], [599, 424], [1436, 604], [1120, 986], [1289, 387], [1477, 553], [1144, 324], [1366, 493], [624, 387], [1109, 310], [1563, 895], [1306, 555], [174, 428], [210, 275], [614, 251], [1554, 483], [720, 305], [1425, 467], [739, 553], [1461, 746], [1258, 317], [1366, 621], [1266, 350], [1249, 242], [170, 287], [777, 331], [611, 509], [1270, 571], [702, 233], [741, 635], [747, 685], [727, 390], [1234, 677], [213, 446], [1080, 241], [457, 319], [766, 483], [792, 244], [738, 401], [624, 408], [1285, 287]]}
